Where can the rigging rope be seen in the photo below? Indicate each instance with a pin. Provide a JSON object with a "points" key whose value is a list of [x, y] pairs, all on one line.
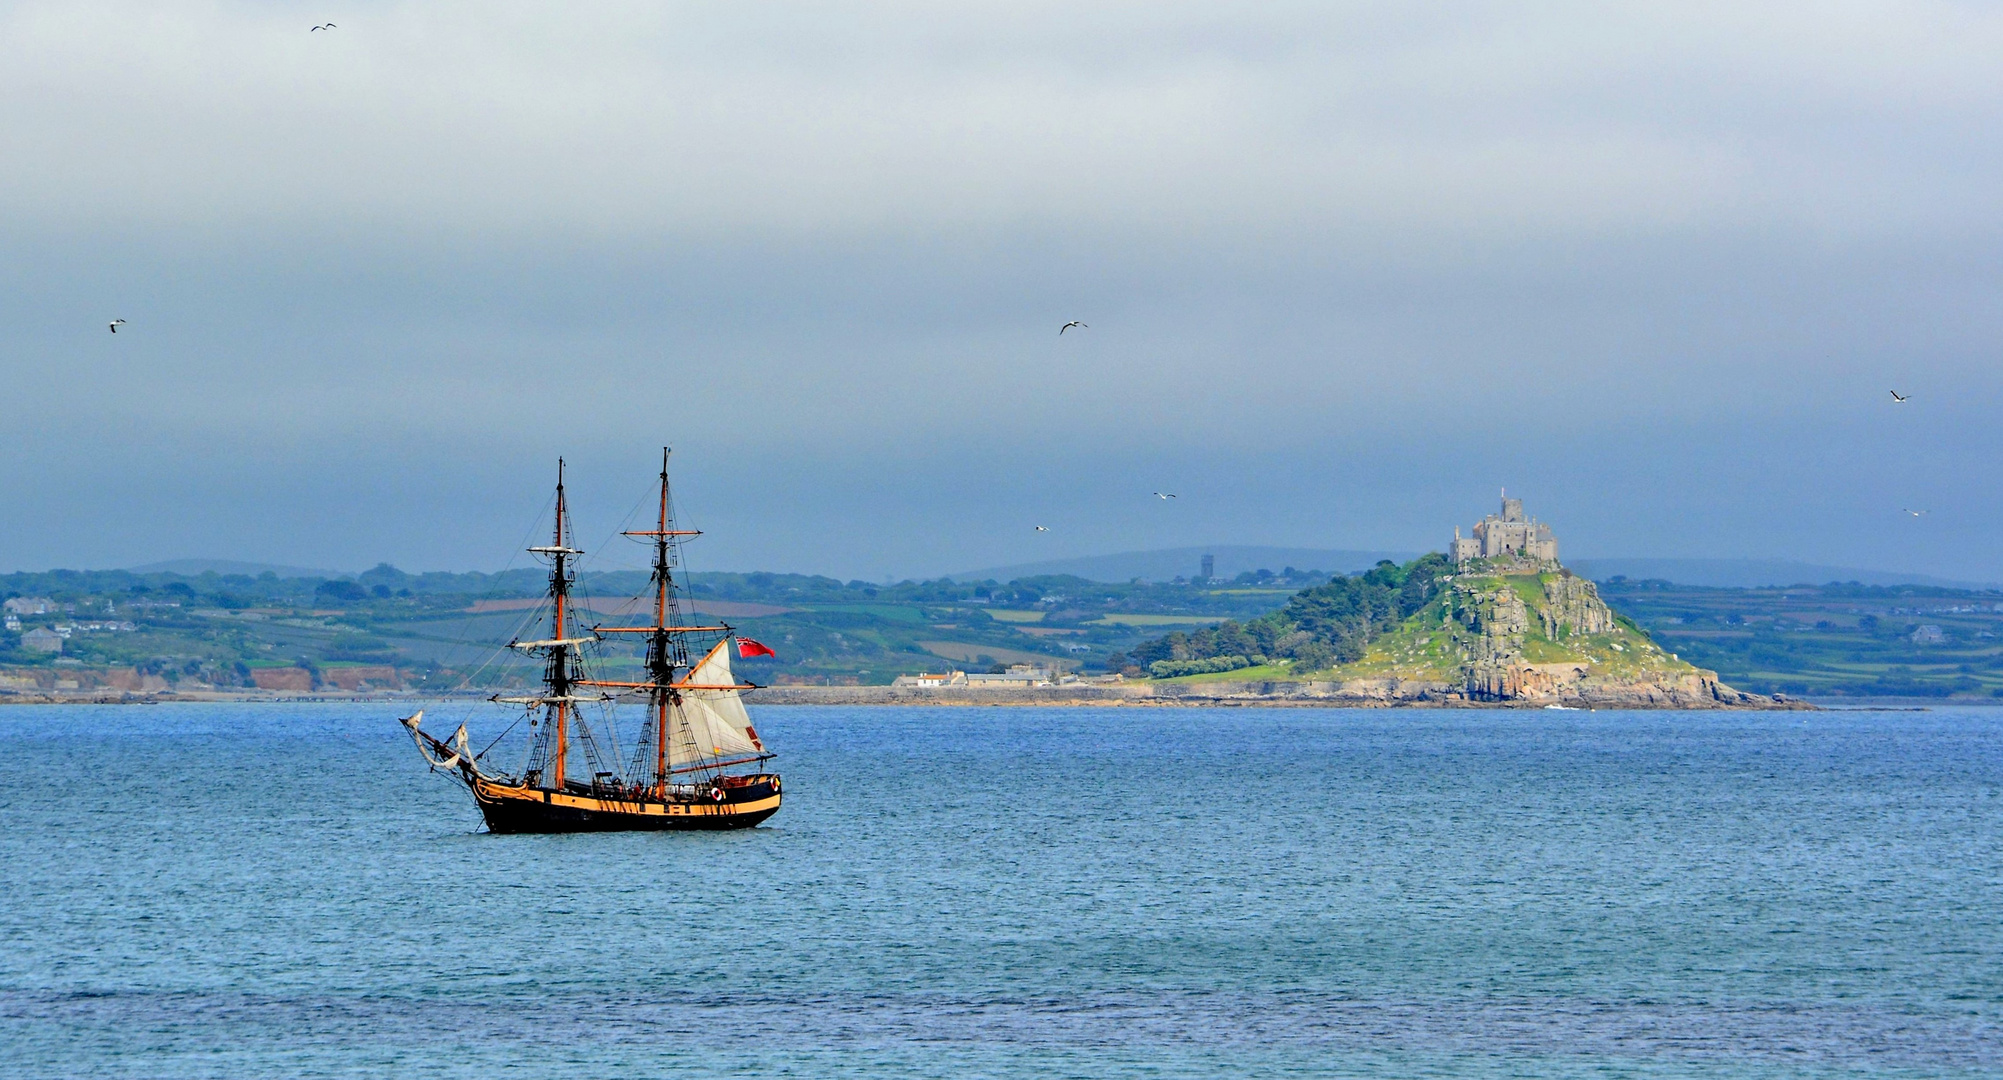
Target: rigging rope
{"points": [[502, 735], [521, 547]]}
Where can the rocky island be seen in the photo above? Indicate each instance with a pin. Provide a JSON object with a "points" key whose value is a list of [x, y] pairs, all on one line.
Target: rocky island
{"points": [[1506, 631], [1495, 620]]}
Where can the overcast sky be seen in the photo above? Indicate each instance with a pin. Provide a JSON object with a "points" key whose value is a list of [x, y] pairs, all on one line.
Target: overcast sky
{"points": [[1349, 269]]}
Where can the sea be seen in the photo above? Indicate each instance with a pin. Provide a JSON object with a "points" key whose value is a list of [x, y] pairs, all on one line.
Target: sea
{"points": [[249, 890]]}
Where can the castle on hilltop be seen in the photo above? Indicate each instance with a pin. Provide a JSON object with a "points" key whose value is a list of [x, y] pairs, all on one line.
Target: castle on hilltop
{"points": [[1509, 533]]}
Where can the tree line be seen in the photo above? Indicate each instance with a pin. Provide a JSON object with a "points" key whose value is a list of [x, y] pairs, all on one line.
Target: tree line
{"points": [[1319, 627]]}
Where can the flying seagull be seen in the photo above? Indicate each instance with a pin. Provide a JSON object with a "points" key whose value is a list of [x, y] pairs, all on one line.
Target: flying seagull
{"points": [[115, 324], [1040, 528], [324, 26], [1165, 495], [1899, 398], [1915, 513], [1069, 325]]}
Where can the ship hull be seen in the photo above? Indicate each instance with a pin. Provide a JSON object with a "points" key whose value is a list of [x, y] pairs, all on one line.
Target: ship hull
{"points": [[746, 802]]}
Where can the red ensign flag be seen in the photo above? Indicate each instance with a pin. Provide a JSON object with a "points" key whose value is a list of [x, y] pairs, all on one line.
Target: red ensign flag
{"points": [[747, 648]]}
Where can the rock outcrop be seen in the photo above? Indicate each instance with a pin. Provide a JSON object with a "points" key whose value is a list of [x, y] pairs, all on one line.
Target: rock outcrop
{"points": [[1572, 605], [1527, 632]]}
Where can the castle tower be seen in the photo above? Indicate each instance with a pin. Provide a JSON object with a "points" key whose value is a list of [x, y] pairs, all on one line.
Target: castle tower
{"points": [[1511, 533]]}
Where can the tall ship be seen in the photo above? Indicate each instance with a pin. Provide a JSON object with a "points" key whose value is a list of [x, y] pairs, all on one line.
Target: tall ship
{"points": [[696, 763]]}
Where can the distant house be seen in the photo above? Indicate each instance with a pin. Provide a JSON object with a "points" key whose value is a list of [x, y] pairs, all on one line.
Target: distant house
{"points": [[29, 605], [1928, 635], [927, 681], [42, 639]]}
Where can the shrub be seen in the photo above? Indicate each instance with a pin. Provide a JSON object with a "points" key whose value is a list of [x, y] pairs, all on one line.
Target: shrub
{"points": [[1169, 669]]}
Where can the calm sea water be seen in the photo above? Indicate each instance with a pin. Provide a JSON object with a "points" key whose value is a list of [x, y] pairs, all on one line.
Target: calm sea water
{"points": [[246, 891]]}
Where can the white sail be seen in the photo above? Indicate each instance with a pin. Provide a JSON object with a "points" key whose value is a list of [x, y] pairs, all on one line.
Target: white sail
{"points": [[712, 723]]}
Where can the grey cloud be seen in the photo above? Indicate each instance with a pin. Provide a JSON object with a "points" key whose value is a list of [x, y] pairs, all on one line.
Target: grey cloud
{"points": [[781, 119], [1348, 267]]}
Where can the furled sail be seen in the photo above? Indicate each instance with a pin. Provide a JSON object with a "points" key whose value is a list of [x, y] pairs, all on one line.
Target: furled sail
{"points": [[716, 724], [454, 750]]}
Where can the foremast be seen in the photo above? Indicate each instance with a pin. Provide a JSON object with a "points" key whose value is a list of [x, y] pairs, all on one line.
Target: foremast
{"points": [[667, 657], [549, 758]]}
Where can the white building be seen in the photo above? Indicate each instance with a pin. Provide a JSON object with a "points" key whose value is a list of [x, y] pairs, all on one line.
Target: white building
{"points": [[928, 681]]}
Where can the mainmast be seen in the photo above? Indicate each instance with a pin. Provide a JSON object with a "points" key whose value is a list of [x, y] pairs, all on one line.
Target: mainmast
{"points": [[667, 645], [666, 652]]}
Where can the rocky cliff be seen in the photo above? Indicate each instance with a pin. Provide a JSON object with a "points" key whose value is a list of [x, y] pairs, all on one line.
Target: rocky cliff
{"points": [[1507, 632]]}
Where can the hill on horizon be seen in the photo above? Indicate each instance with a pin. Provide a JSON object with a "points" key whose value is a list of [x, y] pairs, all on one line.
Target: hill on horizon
{"points": [[1171, 563], [197, 567], [1234, 559], [1754, 573]]}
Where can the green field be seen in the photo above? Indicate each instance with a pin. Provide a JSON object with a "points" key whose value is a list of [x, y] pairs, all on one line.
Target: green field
{"points": [[894, 612], [1151, 620], [1258, 673]]}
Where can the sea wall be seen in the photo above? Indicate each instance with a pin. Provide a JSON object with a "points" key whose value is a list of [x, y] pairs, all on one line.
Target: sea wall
{"points": [[1701, 691]]}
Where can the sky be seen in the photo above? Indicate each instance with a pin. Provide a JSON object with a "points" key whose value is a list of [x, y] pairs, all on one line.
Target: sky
{"points": [[1348, 268]]}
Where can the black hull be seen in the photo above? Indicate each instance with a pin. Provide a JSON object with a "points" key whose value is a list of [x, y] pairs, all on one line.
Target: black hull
{"points": [[534, 810]]}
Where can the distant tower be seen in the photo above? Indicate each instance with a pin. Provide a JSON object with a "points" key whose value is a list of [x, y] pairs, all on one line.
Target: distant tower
{"points": [[1209, 567], [1510, 533]]}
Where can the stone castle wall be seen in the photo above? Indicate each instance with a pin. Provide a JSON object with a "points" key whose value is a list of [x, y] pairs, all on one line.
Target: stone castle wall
{"points": [[1506, 534]]}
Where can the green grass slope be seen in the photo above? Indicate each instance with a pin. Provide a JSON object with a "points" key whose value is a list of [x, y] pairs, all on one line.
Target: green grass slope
{"points": [[1561, 622]]}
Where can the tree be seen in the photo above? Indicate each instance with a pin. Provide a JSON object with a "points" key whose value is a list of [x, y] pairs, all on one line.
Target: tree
{"points": [[1312, 656], [339, 592]]}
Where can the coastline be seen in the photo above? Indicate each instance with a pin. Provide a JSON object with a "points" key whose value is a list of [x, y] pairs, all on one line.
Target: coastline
{"points": [[1371, 694]]}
